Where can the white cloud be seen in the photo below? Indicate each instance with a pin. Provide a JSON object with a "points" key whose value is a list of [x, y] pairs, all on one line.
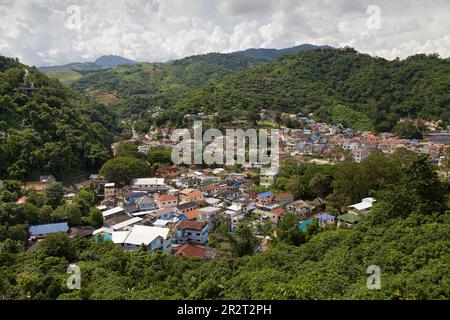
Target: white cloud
{"points": [[159, 30]]}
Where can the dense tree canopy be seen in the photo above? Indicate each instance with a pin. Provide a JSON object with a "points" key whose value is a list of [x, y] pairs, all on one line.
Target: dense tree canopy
{"points": [[46, 128]]}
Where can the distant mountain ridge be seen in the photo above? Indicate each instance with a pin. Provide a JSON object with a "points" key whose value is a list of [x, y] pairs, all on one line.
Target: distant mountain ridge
{"points": [[103, 62], [274, 54], [112, 61]]}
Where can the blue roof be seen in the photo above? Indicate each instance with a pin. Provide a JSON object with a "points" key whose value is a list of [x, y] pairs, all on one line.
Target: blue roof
{"points": [[304, 225], [324, 216], [265, 194], [48, 228]]}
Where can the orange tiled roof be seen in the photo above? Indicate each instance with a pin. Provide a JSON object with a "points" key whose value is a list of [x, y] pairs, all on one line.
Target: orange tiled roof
{"points": [[191, 214], [278, 211], [191, 251], [166, 197]]}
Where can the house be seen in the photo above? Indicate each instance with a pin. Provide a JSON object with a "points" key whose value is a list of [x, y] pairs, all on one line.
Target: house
{"points": [[284, 199], [114, 212], [149, 184], [127, 224], [209, 215], [191, 195], [110, 190], [192, 232], [152, 238], [166, 201], [42, 230], [300, 208], [277, 214], [145, 203], [164, 214], [81, 232], [103, 233], [266, 198], [184, 207], [274, 216], [360, 154], [348, 219], [189, 250], [214, 202], [363, 207], [268, 176], [325, 219], [190, 215]]}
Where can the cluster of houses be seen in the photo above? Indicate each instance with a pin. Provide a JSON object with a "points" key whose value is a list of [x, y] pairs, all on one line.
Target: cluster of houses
{"points": [[176, 215], [321, 139]]}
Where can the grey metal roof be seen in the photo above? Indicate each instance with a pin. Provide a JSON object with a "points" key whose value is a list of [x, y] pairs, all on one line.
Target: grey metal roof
{"points": [[48, 228]]}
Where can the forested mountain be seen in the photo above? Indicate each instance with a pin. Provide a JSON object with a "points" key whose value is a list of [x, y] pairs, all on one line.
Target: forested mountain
{"points": [[150, 84], [111, 61], [47, 128], [374, 92], [273, 54]]}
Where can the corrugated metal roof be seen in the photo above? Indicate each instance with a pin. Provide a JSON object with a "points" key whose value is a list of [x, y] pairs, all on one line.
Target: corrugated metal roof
{"points": [[48, 228]]}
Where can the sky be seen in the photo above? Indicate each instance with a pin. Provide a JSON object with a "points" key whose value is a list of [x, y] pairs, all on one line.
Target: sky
{"points": [[52, 32]]}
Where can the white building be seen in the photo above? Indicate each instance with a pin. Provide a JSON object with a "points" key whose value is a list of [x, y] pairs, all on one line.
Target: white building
{"points": [[364, 206], [152, 238], [148, 184]]}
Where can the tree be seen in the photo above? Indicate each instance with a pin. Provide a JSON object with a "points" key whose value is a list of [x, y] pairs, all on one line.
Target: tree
{"points": [[159, 155], [45, 214], [128, 149], [288, 230], [54, 194], [243, 242], [74, 215], [320, 185], [95, 218], [122, 170], [58, 245]]}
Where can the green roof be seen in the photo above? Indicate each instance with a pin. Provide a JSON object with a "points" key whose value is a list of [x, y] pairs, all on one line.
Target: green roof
{"points": [[350, 217]]}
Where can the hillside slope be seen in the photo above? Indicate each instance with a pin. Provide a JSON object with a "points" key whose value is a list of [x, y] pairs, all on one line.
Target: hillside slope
{"points": [[319, 80], [47, 128], [162, 83]]}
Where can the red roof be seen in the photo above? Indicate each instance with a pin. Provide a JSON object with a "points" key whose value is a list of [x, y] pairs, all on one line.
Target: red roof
{"points": [[278, 211], [190, 215], [191, 251], [212, 187], [166, 197], [193, 225], [283, 196]]}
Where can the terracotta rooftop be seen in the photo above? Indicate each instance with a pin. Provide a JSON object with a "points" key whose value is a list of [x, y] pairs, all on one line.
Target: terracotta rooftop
{"points": [[193, 225], [188, 250]]}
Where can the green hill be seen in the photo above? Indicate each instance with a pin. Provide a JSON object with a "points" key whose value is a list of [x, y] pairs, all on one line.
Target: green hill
{"points": [[47, 128], [66, 77], [318, 80], [274, 54], [150, 84]]}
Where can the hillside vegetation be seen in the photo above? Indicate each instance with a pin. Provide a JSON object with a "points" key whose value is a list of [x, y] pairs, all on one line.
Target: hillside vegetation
{"points": [[407, 235], [146, 85], [47, 128], [316, 81]]}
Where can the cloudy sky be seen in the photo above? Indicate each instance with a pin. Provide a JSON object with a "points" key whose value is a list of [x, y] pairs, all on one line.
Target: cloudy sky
{"points": [[47, 32]]}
